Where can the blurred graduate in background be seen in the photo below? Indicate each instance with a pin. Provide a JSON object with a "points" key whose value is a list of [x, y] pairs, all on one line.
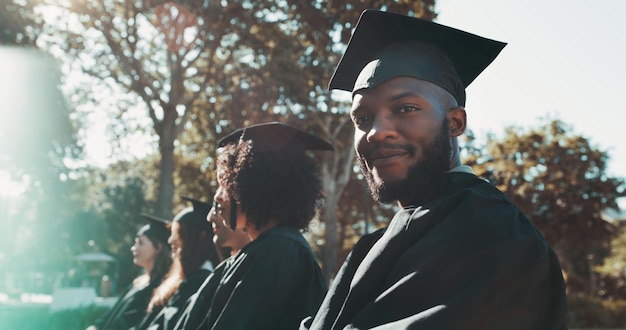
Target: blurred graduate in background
{"points": [[195, 257], [151, 251]]}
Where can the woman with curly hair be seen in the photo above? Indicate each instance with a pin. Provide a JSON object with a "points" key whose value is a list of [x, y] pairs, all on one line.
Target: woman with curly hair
{"points": [[273, 190], [152, 253], [194, 256]]}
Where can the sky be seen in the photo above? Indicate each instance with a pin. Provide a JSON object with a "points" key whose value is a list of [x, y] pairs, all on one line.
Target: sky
{"points": [[565, 59]]}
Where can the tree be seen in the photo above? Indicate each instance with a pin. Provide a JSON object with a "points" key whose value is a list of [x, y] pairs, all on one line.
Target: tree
{"points": [[174, 59], [209, 67], [122, 216], [558, 179]]}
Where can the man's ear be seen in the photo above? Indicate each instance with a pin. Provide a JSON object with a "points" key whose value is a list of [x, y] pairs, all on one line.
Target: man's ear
{"points": [[457, 121]]}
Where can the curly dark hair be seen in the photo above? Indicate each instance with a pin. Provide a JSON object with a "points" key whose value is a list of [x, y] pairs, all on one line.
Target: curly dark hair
{"points": [[278, 184]]}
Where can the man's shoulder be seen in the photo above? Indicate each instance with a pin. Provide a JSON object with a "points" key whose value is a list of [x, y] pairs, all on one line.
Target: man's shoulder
{"points": [[467, 192], [471, 208]]}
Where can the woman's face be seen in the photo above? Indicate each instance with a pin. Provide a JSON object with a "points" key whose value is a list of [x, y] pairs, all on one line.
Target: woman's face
{"points": [[175, 242], [144, 252]]}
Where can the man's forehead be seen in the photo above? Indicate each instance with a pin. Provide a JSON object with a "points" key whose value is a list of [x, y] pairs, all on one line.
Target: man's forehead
{"points": [[401, 87]]}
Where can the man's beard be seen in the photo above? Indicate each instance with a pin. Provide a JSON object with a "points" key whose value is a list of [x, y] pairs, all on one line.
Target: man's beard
{"points": [[423, 179]]}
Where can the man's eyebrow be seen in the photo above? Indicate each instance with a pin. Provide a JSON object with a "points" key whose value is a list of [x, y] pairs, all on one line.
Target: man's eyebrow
{"points": [[392, 98], [405, 94]]}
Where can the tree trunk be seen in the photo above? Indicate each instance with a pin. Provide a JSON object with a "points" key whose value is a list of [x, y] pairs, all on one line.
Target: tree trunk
{"points": [[335, 176], [166, 165], [329, 253]]}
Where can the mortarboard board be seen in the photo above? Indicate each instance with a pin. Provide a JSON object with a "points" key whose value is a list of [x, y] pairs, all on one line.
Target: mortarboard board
{"points": [[156, 229], [386, 45], [275, 136]]}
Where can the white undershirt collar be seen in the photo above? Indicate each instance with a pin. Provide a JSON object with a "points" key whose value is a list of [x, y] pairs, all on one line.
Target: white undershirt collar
{"points": [[462, 168]]}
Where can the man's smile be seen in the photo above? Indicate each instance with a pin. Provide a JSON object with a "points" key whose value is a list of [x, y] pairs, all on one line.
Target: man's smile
{"points": [[386, 156]]}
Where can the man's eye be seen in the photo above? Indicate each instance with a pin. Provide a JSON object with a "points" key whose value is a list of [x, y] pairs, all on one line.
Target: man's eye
{"points": [[360, 120], [407, 108]]}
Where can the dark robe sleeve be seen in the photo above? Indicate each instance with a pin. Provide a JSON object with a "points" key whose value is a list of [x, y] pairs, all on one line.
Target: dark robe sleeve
{"points": [[199, 303], [332, 303], [279, 285], [128, 310]]}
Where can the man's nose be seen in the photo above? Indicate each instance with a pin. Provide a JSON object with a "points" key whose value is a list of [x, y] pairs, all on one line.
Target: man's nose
{"points": [[383, 127]]}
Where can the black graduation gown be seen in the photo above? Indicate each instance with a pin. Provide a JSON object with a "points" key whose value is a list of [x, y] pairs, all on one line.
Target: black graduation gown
{"points": [[272, 283], [129, 309], [466, 260], [167, 317], [199, 303]]}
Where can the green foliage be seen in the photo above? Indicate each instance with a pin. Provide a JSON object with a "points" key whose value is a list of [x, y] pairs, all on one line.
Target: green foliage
{"points": [[615, 264], [121, 201], [585, 312], [611, 275], [15, 317], [77, 319], [38, 317]]}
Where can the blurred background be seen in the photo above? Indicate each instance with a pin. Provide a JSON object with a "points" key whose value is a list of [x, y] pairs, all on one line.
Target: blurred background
{"points": [[113, 108]]}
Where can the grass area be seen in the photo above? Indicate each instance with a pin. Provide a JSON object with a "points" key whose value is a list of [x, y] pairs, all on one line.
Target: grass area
{"points": [[23, 317], [36, 317]]}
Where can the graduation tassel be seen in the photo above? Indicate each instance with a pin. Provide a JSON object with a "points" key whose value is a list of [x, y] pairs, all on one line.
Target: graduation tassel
{"points": [[233, 215], [233, 209]]}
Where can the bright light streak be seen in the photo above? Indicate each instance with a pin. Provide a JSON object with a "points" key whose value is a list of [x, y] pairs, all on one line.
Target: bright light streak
{"points": [[8, 187]]}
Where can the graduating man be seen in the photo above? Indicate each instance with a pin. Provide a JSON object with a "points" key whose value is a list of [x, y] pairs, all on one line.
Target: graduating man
{"points": [[458, 254]]}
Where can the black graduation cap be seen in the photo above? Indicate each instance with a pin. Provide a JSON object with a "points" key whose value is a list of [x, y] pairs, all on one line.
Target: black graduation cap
{"points": [[275, 136], [155, 229], [386, 45], [195, 214]]}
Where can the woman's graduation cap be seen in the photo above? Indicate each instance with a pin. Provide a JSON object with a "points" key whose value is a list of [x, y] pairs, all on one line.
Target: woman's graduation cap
{"points": [[156, 229], [387, 45], [276, 137], [196, 214]]}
